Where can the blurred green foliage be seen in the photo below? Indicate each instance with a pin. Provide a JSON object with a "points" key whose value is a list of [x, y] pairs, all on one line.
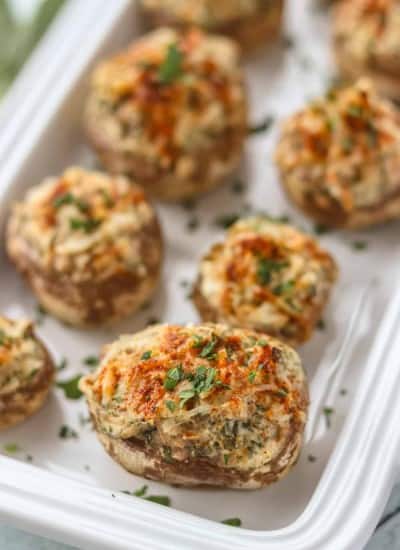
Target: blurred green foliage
{"points": [[17, 40]]}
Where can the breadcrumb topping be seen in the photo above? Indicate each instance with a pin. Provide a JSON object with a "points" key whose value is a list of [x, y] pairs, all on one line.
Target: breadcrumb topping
{"points": [[83, 225], [22, 357], [267, 276]]}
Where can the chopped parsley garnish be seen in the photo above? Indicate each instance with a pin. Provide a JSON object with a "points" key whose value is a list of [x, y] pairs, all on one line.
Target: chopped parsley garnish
{"points": [[262, 342], [208, 352], [202, 381], [265, 269], [171, 69], [87, 226], [284, 288], [263, 126], [146, 355], [321, 229], [174, 376], [159, 499], [252, 376], [12, 448], [226, 220], [226, 459], [198, 341], [233, 522], [108, 201], [142, 492], [68, 198], [70, 387], [360, 245], [170, 405], [321, 325], [238, 187], [91, 361], [67, 433], [328, 412], [186, 395]]}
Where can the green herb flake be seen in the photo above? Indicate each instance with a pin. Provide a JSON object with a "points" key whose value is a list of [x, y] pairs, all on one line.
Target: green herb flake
{"points": [[225, 221], [266, 267], [146, 355], [311, 458], [88, 226], [70, 387], [360, 245], [284, 288], [170, 405], [262, 342], [66, 432], [208, 352], [173, 377], [185, 396], [159, 499], [328, 412], [226, 459], [321, 325], [263, 126], [233, 522], [91, 361], [12, 448], [171, 69], [321, 229], [141, 492], [252, 376]]}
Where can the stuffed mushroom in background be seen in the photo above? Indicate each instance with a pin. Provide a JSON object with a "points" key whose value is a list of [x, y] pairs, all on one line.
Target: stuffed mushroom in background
{"points": [[251, 22], [367, 42], [88, 244], [26, 372], [200, 405], [170, 112], [339, 158], [266, 276]]}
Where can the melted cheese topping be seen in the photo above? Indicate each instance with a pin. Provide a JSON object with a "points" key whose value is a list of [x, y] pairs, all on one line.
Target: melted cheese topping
{"points": [[266, 276], [169, 119], [369, 32], [200, 391], [83, 224], [207, 13], [22, 357], [349, 141]]}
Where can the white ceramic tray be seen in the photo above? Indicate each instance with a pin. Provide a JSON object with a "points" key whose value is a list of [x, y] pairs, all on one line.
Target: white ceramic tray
{"points": [[72, 491]]}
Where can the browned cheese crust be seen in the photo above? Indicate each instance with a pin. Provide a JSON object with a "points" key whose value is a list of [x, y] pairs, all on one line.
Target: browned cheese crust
{"points": [[339, 158], [367, 42], [89, 245], [170, 112], [251, 25], [26, 372], [200, 405], [266, 276]]}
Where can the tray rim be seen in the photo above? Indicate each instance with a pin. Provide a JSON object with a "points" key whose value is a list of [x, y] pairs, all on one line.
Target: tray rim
{"points": [[69, 511]]}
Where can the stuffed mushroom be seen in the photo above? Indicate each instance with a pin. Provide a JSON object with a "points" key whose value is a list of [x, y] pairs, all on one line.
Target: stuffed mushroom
{"points": [[170, 112], [250, 22], [200, 405], [339, 158], [26, 372], [367, 42], [266, 276], [89, 245]]}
